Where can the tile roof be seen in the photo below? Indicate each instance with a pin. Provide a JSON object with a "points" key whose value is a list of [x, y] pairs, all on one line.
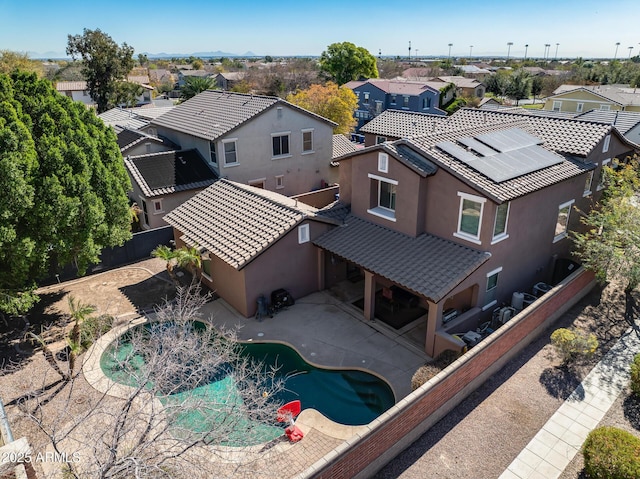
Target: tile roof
{"points": [[562, 135], [150, 112], [342, 146], [622, 120], [461, 82], [402, 124], [238, 222], [621, 94], [123, 119], [170, 172], [71, 85], [214, 113], [498, 191], [398, 87], [426, 265]]}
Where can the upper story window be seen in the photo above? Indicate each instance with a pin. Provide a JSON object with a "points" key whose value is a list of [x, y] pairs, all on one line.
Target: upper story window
{"points": [[605, 107], [426, 103], [601, 178], [230, 152], [500, 224], [562, 224], [405, 102], [579, 107], [587, 183], [212, 152], [279, 182], [280, 143], [607, 141], [393, 99], [557, 105], [366, 97], [380, 139], [157, 207], [378, 107], [470, 217], [383, 201], [303, 233], [307, 141], [383, 163]]}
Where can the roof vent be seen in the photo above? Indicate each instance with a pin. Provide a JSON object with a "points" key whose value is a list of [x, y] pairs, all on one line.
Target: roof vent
{"points": [[182, 160]]}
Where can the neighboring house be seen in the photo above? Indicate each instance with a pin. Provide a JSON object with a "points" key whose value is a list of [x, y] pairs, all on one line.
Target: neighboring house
{"points": [[579, 99], [227, 80], [76, 90], [376, 96], [626, 122], [163, 181], [183, 74], [252, 242], [393, 125], [342, 146], [464, 86], [161, 76], [439, 222], [257, 140], [473, 71], [134, 118]]}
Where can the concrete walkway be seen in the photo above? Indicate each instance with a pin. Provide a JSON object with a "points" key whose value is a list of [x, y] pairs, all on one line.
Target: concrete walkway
{"points": [[560, 439]]}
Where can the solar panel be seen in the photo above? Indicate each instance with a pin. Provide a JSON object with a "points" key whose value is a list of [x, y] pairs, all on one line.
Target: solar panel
{"points": [[508, 140], [474, 144], [457, 152]]}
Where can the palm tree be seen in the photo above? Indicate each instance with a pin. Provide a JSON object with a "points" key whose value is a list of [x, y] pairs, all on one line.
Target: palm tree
{"points": [[167, 254], [48, 355], [194, 85], [79, 311], [184, 257]]}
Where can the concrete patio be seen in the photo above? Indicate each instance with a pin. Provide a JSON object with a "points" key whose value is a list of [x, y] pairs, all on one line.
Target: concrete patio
{"points": [[329, 332]]}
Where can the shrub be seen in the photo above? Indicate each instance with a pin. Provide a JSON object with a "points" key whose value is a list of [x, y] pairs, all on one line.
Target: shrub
{"points": [[94, 327], [427, 371], [635, 375], [611, 453], [572, 343]]}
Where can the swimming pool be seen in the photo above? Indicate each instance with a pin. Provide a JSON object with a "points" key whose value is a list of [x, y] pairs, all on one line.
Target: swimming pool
{"points": [[346, 396]]}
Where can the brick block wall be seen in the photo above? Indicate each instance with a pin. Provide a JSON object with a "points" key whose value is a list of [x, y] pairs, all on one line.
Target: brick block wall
{"points": [[395, 430]]}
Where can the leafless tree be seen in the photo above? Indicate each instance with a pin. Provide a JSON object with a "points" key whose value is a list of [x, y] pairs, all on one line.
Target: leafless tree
{"points": [[184, 403]]}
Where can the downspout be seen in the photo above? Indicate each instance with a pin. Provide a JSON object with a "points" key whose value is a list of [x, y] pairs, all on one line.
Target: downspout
{"points": [[5, 429]]}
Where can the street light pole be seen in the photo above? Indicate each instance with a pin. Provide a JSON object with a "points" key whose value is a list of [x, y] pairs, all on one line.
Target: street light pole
{"points": [[556, 57], [470, 50], [450, 45], [615, 55], [630, 48], [526, 47], [409, 50], [546, 51], [509, 50]]}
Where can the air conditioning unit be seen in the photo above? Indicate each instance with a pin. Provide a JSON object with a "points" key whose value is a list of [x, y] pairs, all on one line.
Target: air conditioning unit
{"points": [[505, 314]]}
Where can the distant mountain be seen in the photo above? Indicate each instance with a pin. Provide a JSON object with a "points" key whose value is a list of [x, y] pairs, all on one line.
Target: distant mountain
{"points": [[47, 55], [216, 54]]}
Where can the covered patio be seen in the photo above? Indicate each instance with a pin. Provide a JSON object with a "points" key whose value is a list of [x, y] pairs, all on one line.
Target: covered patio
{"points": [[403, 272]]}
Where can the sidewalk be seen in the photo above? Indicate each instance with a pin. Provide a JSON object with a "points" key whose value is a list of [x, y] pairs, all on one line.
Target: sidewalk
{"points": [[561, 438]]}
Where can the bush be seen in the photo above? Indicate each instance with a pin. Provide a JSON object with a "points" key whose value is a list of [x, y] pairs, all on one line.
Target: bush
{"points": [[572, 343], [94, 327], [635, 375], [427, 371], [611, 453]]}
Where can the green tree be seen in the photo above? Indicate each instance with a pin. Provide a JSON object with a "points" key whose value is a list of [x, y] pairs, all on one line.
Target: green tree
{"points": [[79, 312], [104, 63], [184, 257], [143, 60], [536, 86], [498, 83], [64, 187], [126, 94], [330, 101], [344, 62], [194, 85], [610, 246], [519, 86], [11, 61]]}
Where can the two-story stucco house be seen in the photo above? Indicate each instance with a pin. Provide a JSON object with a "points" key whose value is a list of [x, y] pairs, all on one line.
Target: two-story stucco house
{"points": [[578, 99], [256, 140], [376, 96]]}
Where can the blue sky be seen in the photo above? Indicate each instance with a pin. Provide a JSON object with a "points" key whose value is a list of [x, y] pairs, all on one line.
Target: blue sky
{"points": [[585, 28]]}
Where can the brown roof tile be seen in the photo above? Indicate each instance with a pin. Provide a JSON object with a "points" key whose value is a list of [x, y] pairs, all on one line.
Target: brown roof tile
{"points": [[403, 124]]}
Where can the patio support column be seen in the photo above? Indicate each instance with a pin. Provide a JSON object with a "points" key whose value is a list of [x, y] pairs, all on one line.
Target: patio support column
{"points": [[369, 295], [321, 271], [435, 312]]}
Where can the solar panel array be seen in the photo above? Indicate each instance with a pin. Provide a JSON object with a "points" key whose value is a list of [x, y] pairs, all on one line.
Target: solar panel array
{"points": [[502, 155]]}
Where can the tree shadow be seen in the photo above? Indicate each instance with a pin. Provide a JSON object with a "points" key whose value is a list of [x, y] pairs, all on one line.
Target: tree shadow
{"points": [[631, 410], [561, 381], [145, 295]]}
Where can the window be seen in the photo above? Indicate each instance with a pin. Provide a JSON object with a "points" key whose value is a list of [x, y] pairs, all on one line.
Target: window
{"points": [[145, 212], [557, 105], [562, 224], [280, 144], [206, 266], [212, 152], [230, 152], [601, 178], [500, 224], [587, 184], [303, 234], [378, 107], [147, 147], [393, 99], [383, 201], [579, 107], [426, 103], [492, 285], [405, 102], [605, 107], [279, 182], [157, 207], [366, 97], [380, 139], [257, 183], [470, 217], [607, 141], [383, 163], [307, 141]]}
